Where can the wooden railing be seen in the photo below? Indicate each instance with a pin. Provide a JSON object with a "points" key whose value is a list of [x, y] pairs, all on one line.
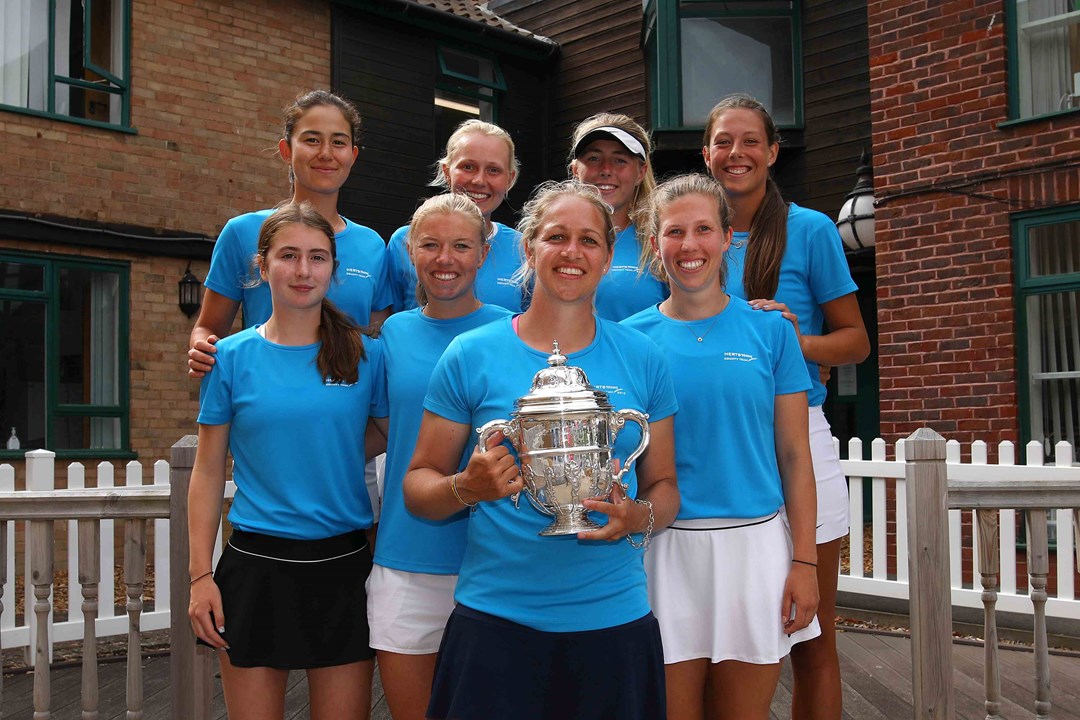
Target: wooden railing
{"points": [[930, 496]]}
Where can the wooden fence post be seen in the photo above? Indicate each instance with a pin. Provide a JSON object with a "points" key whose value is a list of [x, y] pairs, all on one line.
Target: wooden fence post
{"points": [[190, 671], [930, 595]]}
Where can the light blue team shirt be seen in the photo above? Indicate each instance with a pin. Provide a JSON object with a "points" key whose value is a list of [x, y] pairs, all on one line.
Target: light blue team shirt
{"points": [[552, 584], [725, 454], [297, 442], [813, 272], [494, 279], [412, 344], [358, 288], [623, 292]]}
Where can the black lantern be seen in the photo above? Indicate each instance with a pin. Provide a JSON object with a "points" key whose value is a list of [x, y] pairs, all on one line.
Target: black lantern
{"points": [[190, 292], [856, 219]]}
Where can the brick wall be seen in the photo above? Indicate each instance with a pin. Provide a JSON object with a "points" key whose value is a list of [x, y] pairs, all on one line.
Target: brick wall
{"points": [[209, 79], [944, 259]]}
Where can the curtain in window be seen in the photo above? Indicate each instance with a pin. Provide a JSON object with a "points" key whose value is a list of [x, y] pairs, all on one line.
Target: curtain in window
{"points": [[1046, 83], [24, 48], [104, 356]]}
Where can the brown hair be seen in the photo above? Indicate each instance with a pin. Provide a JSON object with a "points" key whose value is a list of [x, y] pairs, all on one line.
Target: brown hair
{"points": [[639, 204], [532, 216], [445, 204], [453, 145], [671, 190], [342, 347], [768, 230], [315, 98]]}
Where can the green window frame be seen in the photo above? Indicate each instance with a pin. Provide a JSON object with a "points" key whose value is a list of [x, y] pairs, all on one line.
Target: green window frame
{"points": [[664, 42], [1046, 245], [76, 63], [1039, 32], [65, 371]]}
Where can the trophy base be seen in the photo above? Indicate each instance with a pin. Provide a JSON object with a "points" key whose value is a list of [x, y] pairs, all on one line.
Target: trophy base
{"points": [[570, 523]]}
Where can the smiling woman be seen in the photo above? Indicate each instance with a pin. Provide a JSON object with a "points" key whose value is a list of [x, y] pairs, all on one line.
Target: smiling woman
{"points": [[319, 146]]}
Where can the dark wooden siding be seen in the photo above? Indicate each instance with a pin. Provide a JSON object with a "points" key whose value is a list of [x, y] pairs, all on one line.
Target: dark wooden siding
{"points": [[389, 69], [601, 66]]}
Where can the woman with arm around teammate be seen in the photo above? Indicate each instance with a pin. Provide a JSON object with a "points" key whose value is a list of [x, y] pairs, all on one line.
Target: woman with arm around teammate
{"points": [[732, 586], [291, 400], [612, 152], [790, 259], [319, 143], [547, 628], [411, 589], [480, 162]]}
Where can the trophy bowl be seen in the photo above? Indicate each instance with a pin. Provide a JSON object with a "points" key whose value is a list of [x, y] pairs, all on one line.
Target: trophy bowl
{"points": [[564, 433]]}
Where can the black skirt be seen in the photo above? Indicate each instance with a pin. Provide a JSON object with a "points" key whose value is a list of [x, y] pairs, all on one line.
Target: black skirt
{"points": [[295, 604]]}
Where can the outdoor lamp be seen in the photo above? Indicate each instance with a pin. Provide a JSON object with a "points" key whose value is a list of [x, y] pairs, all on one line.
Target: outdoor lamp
{"points": [[190, 291], [856, 219]]}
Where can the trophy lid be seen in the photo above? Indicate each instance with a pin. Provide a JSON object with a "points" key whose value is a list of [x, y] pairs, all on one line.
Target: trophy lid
{"points": [[561, 388]]}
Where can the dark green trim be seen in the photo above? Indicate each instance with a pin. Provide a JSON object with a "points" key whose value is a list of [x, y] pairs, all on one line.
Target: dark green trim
{"points": [[88, 454], [662, 48], [1026, 287], [498, 84], [1035, 118], [69, 118]]}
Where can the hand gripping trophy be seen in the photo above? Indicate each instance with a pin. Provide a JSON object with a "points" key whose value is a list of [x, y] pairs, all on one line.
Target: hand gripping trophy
{"points": [[564, 432]]}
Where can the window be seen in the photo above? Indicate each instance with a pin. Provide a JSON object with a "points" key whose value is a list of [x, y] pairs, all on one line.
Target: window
{"points": [[1044, 53], [63, 354], [1048, 321], [66, 58], [699, 51], [468, 87]]}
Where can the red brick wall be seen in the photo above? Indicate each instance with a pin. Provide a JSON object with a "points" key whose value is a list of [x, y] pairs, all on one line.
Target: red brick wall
{"points": [[944, 259], [209, 79]]}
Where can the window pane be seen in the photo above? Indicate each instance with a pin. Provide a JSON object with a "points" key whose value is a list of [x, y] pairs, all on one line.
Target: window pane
{"points": [[473, 66], [721, 56], [24, 38], [1054, 249], [87, 432], [22, 372], [88, 337], [21, 276], [1054, 359], [1048, 55], [452, 109]]}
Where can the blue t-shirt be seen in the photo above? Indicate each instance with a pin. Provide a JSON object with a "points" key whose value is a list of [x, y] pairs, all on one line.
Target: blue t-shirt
{"points": [[297, 441], [552, 584], [359, 285], [494, 283], [412, 344], [725, 453], [623, 292], [813, 272]]}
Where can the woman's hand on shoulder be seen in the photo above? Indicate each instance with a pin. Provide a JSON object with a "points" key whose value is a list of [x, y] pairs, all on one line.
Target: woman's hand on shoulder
{"points": [[201, 356], [775, 305]]}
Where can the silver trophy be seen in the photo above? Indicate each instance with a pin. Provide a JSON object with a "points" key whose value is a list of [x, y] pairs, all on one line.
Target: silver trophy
{"points": [[564, 431]]}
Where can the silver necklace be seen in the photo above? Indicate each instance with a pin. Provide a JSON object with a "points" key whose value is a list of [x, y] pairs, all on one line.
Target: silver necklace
{"points": [[686, 324]]}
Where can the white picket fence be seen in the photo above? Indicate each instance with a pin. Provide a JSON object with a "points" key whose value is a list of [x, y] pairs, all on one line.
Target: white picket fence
{"points": [[40, 476], [879, 472]]}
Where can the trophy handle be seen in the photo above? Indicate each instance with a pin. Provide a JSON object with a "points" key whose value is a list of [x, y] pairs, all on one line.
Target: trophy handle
{"points": [[642, 419], [490, 428]]}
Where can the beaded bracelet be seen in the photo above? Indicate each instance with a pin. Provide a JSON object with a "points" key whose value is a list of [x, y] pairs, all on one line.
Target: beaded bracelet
{"points": [[453, 488]]}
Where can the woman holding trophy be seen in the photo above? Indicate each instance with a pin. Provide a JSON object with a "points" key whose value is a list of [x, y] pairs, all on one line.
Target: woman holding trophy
{"points": [[557, 626], [733, 580]]}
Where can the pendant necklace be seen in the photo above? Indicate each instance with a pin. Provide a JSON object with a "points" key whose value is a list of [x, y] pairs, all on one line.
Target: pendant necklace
{"points": [[686, 324]]}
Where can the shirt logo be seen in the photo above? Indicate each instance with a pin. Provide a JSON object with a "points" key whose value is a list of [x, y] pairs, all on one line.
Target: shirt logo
{"points": [[611, 389], [337, 383], [357, 272], [738, 356]]}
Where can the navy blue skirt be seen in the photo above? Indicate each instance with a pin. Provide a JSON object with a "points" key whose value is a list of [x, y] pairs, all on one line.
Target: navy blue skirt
{"points": [[295, 604], [490, 668]]}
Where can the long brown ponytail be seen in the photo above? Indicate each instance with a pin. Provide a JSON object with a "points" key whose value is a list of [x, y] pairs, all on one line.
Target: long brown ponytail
{"points": [[768, 230], [342, 346]]}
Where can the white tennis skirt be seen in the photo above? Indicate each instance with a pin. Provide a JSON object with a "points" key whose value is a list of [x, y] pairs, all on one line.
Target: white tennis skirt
{"points": [[407, 611], [718, 592], [833, 515]]}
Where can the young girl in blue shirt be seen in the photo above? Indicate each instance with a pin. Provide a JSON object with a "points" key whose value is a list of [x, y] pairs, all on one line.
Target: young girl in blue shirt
{"points": [[732, 581], [790, 259], [291, 400], [411, 588]]}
